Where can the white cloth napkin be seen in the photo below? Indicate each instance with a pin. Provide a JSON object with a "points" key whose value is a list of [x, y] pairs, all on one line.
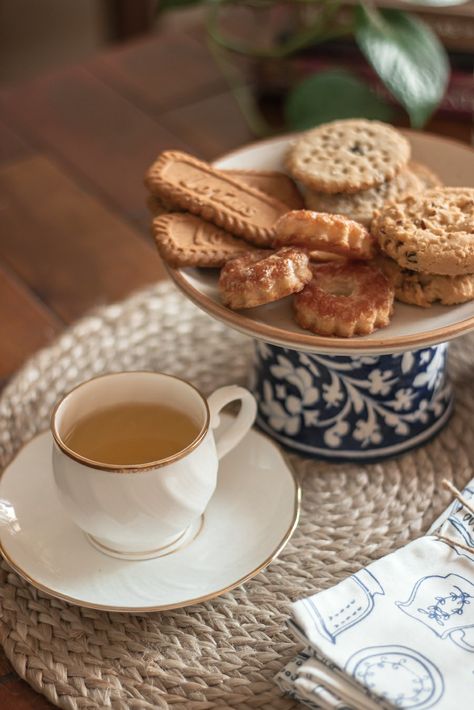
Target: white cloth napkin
{"points": [[399, 633]]}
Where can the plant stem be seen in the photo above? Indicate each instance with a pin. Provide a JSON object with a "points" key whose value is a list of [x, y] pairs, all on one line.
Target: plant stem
{"points": [[220, 45], [241, 92], [317, 32]]}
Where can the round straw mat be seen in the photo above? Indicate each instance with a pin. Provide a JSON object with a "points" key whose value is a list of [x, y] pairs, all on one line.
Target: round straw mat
{"points": [[225, 652]]}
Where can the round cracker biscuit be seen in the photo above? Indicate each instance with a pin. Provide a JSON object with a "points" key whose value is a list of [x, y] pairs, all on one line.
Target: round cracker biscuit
{"points": [[348, 156], [420, 289], [361, 206], [432, 232]]}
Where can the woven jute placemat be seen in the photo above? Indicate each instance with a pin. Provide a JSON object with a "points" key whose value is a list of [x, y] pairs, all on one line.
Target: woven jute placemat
{"points": [[225, 652]]}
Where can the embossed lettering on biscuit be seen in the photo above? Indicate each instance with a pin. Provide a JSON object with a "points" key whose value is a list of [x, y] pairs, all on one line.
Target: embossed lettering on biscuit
{"points": [[216, 196]]}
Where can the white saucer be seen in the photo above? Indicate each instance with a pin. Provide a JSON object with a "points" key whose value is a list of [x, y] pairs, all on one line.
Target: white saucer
{"points": [[411, 327], [249, 520]]}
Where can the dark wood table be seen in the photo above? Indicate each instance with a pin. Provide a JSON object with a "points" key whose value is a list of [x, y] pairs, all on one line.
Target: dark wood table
{"points": [[74, 233]]}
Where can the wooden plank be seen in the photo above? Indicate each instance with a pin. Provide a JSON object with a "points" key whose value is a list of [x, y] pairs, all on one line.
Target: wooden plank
{"points": [[162, 73], [12, 146], [26, 325], [15, 694], [69, 249], [127, 19], [215, 124], [99, 135]]}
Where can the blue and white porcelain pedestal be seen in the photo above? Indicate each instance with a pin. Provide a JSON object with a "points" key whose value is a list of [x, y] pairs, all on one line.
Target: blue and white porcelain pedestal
{"points": [[351, 408]]}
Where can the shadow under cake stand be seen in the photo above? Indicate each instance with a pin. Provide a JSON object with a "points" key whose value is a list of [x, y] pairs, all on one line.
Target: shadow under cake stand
{"points": [[359, 399]]}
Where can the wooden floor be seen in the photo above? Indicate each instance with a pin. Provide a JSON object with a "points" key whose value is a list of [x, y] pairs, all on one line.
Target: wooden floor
{"points": [[74, 146]]}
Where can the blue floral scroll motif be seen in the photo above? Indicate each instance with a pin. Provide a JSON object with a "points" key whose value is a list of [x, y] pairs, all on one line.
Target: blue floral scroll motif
{"points": [[338, 609], [341, 406], [445, 604], [401, 675]]}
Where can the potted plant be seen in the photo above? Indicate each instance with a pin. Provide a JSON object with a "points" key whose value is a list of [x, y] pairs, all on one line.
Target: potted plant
{"points": [[399, 48]]}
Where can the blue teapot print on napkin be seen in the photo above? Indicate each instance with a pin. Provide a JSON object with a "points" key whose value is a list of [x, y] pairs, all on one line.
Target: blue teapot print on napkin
{"points": [[445, 604], [342, 607]]}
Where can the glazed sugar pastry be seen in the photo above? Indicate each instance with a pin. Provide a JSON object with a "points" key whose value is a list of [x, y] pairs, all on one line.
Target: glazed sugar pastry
{"points": [[254, 279], [345, 300], [318, 231]]}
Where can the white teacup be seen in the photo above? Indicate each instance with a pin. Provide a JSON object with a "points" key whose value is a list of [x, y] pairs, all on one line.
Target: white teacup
{"points": [[147, 510]]}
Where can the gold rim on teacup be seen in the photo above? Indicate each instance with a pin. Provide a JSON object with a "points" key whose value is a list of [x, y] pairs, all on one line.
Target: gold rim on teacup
{"points": [[129, 468]]}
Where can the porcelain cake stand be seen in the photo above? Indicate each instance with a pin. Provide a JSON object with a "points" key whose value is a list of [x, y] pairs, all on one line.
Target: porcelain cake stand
{"points": [[362, 398]]}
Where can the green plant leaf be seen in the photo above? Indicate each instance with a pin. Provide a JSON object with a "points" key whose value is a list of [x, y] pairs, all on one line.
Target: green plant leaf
{"points": [[332, 94], [407, 56]]}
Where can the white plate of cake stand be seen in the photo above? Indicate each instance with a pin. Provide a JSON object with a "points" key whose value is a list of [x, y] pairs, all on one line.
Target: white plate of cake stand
{"points": [[362, 398]]}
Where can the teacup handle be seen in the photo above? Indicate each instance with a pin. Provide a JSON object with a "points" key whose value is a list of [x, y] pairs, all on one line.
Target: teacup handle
{"points": [[243, 422]]}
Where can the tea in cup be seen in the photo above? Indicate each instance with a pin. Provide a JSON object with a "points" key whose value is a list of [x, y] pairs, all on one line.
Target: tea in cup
{"points": [[135, 458]]}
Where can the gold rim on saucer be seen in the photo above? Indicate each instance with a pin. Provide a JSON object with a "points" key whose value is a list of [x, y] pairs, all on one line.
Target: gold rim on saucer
{"points": [[178, 605]]}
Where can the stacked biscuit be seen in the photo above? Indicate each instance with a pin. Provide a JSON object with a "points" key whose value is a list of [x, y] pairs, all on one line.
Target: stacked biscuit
{"points": [[363, 204], [354, 167], [354, 174], [428, 246]]}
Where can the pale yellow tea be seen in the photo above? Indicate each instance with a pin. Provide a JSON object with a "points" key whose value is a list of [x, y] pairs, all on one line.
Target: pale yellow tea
{"points": [[132, 434]]}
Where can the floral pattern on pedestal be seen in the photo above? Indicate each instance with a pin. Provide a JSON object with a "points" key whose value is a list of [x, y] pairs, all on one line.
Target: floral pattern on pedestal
{"points": [[351, 407]]}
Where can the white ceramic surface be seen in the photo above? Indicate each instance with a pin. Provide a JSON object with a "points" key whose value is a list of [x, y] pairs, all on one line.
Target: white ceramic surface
{"points": [[137, 512], [411, 327], [249, 519]]}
